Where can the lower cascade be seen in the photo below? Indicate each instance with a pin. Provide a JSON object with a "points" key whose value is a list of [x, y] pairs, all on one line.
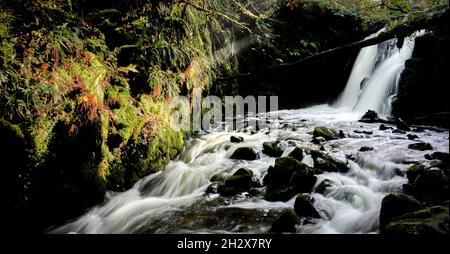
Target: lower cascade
{"points": [[179, 199]]}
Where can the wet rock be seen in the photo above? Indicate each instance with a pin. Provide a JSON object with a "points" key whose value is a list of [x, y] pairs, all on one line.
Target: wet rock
{"points": [[444, 157], [420, 146], [384, 127], [213, 188], [285, 222], [432, 220], [327, 163], [430, 186], [341, 134], [418, 129], [324, 132], [219, 177], [367, 132], [236, 139], [244, 153], [397, 131], [272, 149], [304, 206], [401, 125], [321, 188], [289, 177], [371, 117], [280, 194], [395, 205], [412, 136], [297, 154], [366, 149], [318, 140], [240, 181]]}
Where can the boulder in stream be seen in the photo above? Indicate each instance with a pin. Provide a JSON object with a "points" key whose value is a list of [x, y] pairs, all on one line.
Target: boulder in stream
{"points": [[304, 206], [285, 222], [272, 149], [325, 132], [236, 139], [240, 181], [395, 205], [327, 163], [244, 153], [421, 146]]}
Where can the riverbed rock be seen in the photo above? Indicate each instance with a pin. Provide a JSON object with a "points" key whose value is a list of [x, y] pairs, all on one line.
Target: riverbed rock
{"points": [[289, 174], [444, 157], [297, 154], [321, 188], [367, 132], [384, 127], [420, 146], [285, 222], [244, 153], [272, 149], [412, 136], [304, 206], [398, 131], [327, 163], [325, 132], [318, 140], [395, 205], [431, 220], [236, 139], [280, 194], [240, 181], [219, 177], [371, 116], [366, 149]]}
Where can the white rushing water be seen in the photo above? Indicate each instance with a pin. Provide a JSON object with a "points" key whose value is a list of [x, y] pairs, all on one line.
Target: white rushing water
{"points": [[373, 82], [174, 200]]}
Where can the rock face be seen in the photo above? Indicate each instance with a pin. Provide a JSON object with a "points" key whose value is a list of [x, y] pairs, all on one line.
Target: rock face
{"points": [[324, 132], [304, 206], [289, 177], [244, 153], [272, 149], [285, 222], [428, 68], [395, 205], [432, 220]]}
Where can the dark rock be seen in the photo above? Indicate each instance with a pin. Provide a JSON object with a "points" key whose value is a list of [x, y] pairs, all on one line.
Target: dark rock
{"points": [[297, 154], [318, 140], [285, 222], [244, 153], [324, 132], [289, 173], [240, 181], [304, 206], [235, 139], [327, 163], [397, 131], [371, 117], [363, 132], [272, 149], [219, 177], [366, 149], [420, 146], [341, 134], [394, 205], [321, 188], [444, 157], [431, 186], [280, 194], [213, 188], [418, 129], [401, 125], [384, 127], [412, 136], [432, 220], [322, 148]]}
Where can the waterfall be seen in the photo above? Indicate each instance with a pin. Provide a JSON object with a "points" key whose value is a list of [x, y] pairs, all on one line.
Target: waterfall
{"points": [[373, 82]]}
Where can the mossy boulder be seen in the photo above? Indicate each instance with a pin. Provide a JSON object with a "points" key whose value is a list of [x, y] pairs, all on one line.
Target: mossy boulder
{"points": [[289, 177], [285, 222], [240, 181], [325, 132], [327, 163], [322, 187], [395, 205], [272, 149], [431, 220], [304, 207], [244, 153]]}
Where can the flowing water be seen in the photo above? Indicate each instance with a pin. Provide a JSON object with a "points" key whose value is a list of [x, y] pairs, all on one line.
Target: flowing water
{"points": [[174, 200]]}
